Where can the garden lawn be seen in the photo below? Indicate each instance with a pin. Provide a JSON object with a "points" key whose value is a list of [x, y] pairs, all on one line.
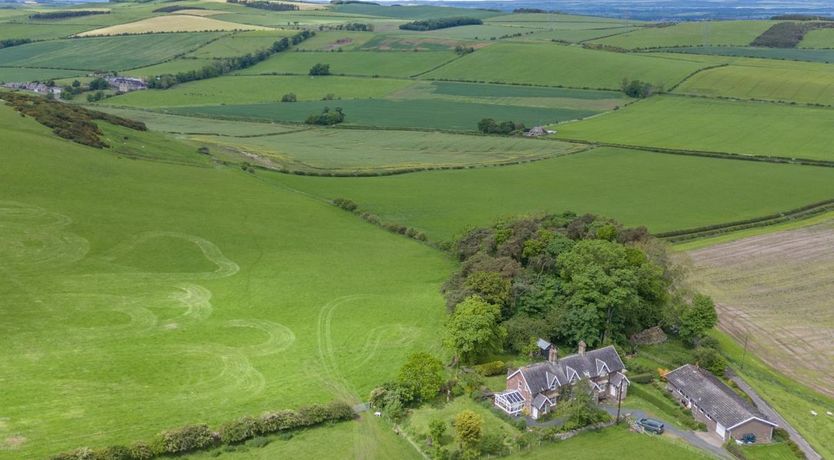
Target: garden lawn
{"points": [[351, 150], [780, 81], [104, 53], [257, 89], [416, 113], [139, 296], [695, 33], [663, 192], [758, 128], [558, 65], [369, 63]]}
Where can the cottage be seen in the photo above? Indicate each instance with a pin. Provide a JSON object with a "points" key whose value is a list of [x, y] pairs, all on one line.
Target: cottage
{"points": [[126, 84], [535, 389], [725, 413]]}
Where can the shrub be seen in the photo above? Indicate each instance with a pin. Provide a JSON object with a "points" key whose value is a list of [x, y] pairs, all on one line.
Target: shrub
{"points": [[347, 205], [239, 430], [273, 422], [492, 368], [289, 97], [186, 439], [319, 69], [327, 118]]}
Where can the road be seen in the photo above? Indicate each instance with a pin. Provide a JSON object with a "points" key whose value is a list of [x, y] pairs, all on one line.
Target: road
{"points": [[774, 416]]}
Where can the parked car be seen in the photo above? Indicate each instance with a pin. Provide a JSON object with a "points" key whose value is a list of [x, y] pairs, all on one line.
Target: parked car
{"points": [[650, 425]]}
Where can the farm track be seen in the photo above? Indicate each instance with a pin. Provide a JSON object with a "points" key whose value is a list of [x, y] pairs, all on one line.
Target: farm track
{"points": [[773, 292]]}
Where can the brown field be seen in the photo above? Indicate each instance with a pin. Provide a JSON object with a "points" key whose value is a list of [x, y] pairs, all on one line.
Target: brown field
{"points": [[776, 291], [172, 23]]}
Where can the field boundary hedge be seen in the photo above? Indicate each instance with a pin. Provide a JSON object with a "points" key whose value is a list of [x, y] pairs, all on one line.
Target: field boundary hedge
{"points": [[191, 438]]}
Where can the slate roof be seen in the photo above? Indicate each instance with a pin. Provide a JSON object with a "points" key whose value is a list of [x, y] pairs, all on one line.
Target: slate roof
{"points": [[543, 344], [540, 400], [546, 376], [712, 396]]}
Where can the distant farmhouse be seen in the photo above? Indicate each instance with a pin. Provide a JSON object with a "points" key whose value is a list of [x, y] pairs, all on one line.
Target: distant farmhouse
{"points": [[39, 88], [725, 413], [535, 389], [126, 84]]}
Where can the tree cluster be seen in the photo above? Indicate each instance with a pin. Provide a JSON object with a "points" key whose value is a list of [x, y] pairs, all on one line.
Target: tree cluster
{"points": [[192, 438], [9, 42], [219, 67], [439, 23], [352, 26], [566, 278], [461, 50], [319, 70], [419, 380], [265, 5], [174, 8], [787, 34], [636, 88], [327, 117], [66, 14], [490, 126], [66, 120]]}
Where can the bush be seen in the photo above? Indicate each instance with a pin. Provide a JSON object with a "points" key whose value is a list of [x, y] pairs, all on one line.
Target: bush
{"points": [[141, 451], [347, 205], [273, 422], [186, 439], [636, 88], [492, 368], [239, 430], [327, 118], [289, 97], [319, 69]]}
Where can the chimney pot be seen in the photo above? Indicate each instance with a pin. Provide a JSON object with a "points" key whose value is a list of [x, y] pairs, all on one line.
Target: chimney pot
{"points": [[581, 348], [553, 354]]}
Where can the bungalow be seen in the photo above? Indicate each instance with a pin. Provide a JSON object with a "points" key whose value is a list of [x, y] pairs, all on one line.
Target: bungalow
{"points": [[725, 413], [535, 389]]}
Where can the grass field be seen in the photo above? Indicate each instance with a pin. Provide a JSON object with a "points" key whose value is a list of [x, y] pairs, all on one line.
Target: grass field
{"points": [[551, 18], [370, 63], [663, 192], [819, 38], [781, 81], [358, 150], [573, 35], [103, 53], [241, 43], [775, 289], [562, 65], [39, 31], [171, 23], [327, 41], [255, 89], [140, 296], [418, 113], [759, 128], [790, 54], [176, 124], [412, 11], [696, 33], [173, 66], [8, 74], [400, 42]]}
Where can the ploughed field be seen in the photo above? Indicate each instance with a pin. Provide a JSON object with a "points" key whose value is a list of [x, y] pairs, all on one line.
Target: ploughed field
{"points": [[774, 292]]}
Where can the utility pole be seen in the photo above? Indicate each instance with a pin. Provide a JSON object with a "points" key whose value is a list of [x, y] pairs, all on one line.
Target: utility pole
{"points": [[619, 399], [744, 354]]}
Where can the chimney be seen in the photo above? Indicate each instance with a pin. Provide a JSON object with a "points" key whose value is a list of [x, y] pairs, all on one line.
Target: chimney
{"points": [[581, 348], [553, 354]]}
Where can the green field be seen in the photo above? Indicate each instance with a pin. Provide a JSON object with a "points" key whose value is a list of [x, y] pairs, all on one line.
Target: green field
{"points": [[140, 296], [663, 192], [103, 53], [255, 89], [551, 18], [819, 38], [562, 66], [790, 54], [173, 66], [785, 81], [369, 63], [758, 128], [697, 33], [327, 41], [573, 35], [358, 150], [412, 12], [417, 113], [189, 125], [241, 43], [39, 31], [8, 74]]}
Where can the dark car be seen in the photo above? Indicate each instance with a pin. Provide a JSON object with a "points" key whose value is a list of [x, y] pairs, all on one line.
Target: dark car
{"points": [[650, 425]]}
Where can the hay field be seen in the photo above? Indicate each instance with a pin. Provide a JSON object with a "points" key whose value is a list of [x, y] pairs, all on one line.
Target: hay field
{"points": [[759, 128], [778, 81], [170, 23], [321, 150], [562, 66], [775, 291], [139, 296], [663, 192]]}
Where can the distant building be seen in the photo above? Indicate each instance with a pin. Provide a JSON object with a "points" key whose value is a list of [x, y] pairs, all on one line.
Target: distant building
{"points": [[538, 131], [36, 87], [724, 412], [535, 389], [126, 84]]}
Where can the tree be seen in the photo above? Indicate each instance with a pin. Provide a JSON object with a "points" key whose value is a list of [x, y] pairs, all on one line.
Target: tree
{"points": [[579, 409], [473, 330], [636, 88], [99, 83], [469, 429], [320, 69], [698, 318], [289, 97], [437, 428], [490, 286], [424, 373], [711, 360]]}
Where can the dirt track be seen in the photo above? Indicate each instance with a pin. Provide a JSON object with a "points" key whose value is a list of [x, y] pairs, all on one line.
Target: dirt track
{"points": [[777, 290]]}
